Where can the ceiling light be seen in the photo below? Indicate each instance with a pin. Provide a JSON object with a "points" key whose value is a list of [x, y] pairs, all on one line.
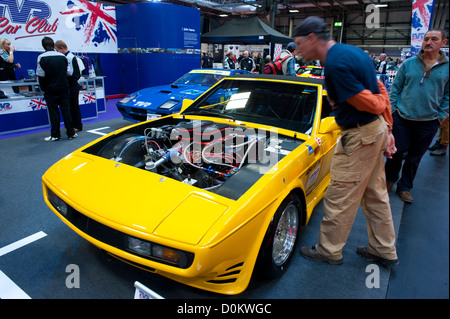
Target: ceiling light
{"points": [[381, 6], [223, 15], [293, 11]]}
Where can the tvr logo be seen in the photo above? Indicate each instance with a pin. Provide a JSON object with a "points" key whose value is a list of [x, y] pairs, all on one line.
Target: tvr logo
{"points": [[22, 12], [5, 107], [34, 14]]}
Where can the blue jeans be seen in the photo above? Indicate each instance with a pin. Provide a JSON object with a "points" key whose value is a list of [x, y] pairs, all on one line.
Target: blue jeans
{"points": [[413, 137]]}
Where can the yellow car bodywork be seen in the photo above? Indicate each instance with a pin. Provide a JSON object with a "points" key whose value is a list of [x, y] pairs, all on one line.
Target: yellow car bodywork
{"points": [[223, 235]]}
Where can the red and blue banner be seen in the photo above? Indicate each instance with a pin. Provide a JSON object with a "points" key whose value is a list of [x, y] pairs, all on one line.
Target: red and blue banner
{"points": [[85, 26], [422, 16]]}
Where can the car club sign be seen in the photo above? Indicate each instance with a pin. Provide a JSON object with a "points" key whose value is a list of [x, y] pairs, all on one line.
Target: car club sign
{"points": [[84, 26]]}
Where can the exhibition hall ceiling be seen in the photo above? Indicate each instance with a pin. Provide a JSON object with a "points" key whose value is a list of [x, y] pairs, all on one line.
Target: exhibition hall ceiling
{"points": [[394, 16], [283, 7]]}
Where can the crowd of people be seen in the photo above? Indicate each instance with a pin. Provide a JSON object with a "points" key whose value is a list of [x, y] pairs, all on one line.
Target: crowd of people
{"points": [[383, 63], [255, 62]]}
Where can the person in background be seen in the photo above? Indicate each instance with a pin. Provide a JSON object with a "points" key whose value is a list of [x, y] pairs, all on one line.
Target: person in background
{"points": [[228, 62], [258, 61], [247, 63], [390, 64], [440, 147], [239, 59], [382, 64], [52, 71], [210, 61], [204, 60], [288, 65], [264, 62], [420, 101], [357, 167], [74, 87], [374, 60], [7, 64]]}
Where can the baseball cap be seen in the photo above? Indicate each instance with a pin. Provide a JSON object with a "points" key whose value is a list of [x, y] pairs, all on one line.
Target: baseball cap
{"points": [[310, 25], [291, 46]]}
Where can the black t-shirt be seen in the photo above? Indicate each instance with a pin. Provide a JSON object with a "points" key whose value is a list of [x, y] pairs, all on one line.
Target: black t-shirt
{"points": [[247, 64], [349, 71]]}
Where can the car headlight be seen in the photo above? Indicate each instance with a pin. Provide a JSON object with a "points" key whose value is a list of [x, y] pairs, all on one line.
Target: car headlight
{"points": [[161, 253], [168, 105], [140, 246], [128, 98], [58, 203]]}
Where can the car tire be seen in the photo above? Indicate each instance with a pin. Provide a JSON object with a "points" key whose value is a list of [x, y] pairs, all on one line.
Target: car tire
{"points": [[280, 240]]}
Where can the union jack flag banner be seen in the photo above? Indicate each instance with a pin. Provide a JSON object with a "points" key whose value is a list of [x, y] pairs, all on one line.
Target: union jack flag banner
{"points": [[422, 16], [84, 25], [95, 20], [88, 98], [37, 104]]}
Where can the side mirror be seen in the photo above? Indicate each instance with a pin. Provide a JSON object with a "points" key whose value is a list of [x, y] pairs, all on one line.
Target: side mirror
{"points": [[328, 125], [186, 103]]}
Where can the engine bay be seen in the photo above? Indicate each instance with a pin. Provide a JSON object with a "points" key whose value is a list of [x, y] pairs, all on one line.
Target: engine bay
{"points": [[204, 154]]}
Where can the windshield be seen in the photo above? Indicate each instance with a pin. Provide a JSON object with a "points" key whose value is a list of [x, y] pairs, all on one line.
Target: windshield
{"points": [[199, 79], [285, 105]]}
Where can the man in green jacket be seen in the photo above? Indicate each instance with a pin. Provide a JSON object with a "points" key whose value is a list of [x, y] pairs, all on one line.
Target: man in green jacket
{"points": [[419, 100]]}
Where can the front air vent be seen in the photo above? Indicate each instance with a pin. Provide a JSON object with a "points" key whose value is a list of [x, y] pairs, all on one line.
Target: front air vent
{"points": [[229, 276]]}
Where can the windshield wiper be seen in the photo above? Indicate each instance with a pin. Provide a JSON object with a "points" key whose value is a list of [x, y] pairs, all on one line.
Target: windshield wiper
{"points": [[202, 112]]}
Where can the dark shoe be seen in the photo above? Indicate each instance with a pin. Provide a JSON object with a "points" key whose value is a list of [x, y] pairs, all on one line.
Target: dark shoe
{"points": [[73, 136], [440, 151], [435, 146], [405, 196], [312, 254], [386, 263], [389, 185]]}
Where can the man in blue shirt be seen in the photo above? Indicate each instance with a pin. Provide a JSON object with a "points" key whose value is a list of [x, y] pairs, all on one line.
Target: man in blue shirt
{"points": [[357, 168]]}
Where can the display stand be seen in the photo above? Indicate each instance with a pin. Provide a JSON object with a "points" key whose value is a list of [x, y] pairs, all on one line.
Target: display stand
{"points": [[25, 107]]}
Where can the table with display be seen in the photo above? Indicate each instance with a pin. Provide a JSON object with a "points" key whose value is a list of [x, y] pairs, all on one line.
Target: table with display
{"points": [[24, 107]]}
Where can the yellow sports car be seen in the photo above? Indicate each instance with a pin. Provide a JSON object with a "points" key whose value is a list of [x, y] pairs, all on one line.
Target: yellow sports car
{"points": [[208, 195], [311, 71]]}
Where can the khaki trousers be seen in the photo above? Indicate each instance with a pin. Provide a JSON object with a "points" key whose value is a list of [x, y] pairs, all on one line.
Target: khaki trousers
{"points": [[443, 133], [358, 177]]}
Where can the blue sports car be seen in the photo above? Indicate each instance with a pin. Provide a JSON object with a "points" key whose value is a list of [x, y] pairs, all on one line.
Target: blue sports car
{"points": [[156, 101]]}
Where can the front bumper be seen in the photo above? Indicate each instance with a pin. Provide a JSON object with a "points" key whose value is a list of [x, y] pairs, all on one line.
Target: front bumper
{"points": [[134, 114], [139, 114], [225, 268]]}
